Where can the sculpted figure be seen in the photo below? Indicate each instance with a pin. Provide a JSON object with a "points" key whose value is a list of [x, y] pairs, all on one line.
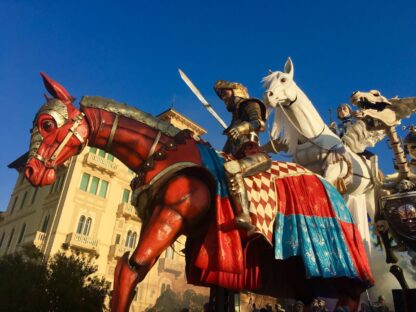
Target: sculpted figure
{"points": [[344, 115], [181, 190], [248, 119]]}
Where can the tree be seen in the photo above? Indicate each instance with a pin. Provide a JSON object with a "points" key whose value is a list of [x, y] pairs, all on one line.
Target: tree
{"points": [[23, 282], [169, 301], [72, 285], [62, 283]]}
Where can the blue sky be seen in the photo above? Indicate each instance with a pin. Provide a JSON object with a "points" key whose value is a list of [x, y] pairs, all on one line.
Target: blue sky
{"points": [[131, 51]]}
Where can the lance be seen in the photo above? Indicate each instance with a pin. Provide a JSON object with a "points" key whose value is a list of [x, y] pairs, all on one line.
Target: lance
{"points": [[202, 99]]}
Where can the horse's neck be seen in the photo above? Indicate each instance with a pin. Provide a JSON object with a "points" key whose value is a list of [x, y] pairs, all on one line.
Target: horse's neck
{"points": [[305, 117], [130, 140]]}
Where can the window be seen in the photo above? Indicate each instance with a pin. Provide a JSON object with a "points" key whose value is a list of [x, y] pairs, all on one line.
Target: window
{"points": [[45, 224], [81, 223], [101, 153], [35, 192], [60, 183], [10, 238], [14, 205], [57, 185], [94, 184], [2, 239], [84, 226], [84, 181], [118, 236], [22, 179], [131, 239], [134, 239], [128, 239], [22, 232], [51, 188], [87, 227], [126, 196], [23, 200], [103, 189]]}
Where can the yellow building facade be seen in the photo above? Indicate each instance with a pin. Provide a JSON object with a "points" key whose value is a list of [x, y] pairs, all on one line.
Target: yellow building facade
{"points": [[88, 209]]}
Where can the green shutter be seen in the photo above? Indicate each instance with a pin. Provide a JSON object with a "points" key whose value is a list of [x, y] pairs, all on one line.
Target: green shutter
{"points": [[93, 150], [101, 153], [103, 189], [84, 181], [110, 157], [94, 185], [126, 196]]}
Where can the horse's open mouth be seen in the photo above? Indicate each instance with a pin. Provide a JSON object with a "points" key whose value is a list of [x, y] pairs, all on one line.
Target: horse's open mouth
{"points": [[287, 103]]}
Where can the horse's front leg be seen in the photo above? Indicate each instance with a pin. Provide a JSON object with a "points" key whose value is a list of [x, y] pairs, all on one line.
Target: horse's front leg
{"points": [[183, 202]]}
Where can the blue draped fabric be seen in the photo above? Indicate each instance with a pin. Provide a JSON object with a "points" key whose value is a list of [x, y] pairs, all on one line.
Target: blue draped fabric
{"points": [[318, 240], [215, 164]]}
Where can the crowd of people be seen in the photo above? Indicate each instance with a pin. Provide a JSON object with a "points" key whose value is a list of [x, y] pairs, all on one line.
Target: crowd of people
{"points": [[319, 305]]}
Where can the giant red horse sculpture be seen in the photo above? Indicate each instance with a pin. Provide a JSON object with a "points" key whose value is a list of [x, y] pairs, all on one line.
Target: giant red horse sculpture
{"points": [[311, 246]]}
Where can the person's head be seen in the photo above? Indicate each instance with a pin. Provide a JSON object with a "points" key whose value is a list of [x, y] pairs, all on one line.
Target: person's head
{"points": [[321, 303], [344, 111], [228, 91], [315, 305], [299, 306], [381, 299]]}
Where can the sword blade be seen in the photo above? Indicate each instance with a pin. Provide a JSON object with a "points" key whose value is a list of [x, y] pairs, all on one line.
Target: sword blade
{"points": [[201, 98]]}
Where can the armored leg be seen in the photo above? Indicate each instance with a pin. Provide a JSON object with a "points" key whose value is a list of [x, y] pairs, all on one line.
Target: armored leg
{"points": [[235, 171]]}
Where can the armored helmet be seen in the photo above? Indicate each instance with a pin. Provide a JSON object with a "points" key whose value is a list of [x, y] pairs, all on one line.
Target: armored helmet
{"points": [[237, 88], [343, 105]]}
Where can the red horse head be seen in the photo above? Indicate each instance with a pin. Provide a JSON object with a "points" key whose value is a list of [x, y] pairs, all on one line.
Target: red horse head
{"points": [[59, 132]]}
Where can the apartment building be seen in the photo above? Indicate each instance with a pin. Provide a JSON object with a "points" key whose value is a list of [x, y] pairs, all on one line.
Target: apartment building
{"points": [[88, 209]]}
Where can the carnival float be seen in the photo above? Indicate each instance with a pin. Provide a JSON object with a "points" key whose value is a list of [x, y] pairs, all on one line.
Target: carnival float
{"points": [[305, 242]]}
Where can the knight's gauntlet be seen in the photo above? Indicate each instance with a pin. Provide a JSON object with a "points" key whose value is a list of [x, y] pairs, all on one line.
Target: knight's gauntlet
{"points": [[243, 128]]}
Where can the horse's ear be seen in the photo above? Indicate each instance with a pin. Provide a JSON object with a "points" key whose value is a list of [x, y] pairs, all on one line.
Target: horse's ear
{"points": [[289, 67], [56, 90]]}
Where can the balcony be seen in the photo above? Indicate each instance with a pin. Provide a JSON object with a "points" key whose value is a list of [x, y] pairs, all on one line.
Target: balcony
{"points": [[116, 251], [127, 211], [39, 240], [170, 265], [79, 241], [100, 163]]}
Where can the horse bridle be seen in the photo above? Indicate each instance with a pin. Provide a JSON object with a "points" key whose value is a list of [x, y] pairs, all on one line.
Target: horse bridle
{"points": [[349, 165], [300, 131], [72, 131]]}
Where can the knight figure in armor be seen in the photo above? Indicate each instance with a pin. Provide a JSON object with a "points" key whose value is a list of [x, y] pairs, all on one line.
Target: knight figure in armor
{"points": [[345, 116], [248, 119]]}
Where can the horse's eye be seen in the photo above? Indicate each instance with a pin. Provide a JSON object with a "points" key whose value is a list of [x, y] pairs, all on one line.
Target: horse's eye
{"points": [[283, 80], [48, 125], [376, 93]]}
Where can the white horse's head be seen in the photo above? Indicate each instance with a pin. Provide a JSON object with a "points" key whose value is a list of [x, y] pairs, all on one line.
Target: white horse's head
{"points": [[296, 119], [280, 87]]}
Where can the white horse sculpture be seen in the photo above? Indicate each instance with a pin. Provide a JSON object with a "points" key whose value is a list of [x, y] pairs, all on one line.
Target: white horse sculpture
{"points": [[313, 145]]}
